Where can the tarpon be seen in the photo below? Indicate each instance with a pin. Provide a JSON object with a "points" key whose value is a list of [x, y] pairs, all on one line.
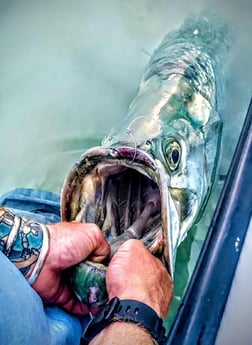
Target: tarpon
{"points": [[152, 176]]}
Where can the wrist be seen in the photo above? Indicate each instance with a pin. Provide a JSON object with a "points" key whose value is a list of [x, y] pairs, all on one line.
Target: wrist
{"points": [[129, 311], [140, 296], [123, 333]]}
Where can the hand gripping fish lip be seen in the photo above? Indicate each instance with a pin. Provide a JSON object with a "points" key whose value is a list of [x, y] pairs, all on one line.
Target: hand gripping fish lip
{"points": [[124, 191]]}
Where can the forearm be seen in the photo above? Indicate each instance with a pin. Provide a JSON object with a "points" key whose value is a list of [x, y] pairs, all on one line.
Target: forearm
{"points": [[24, 242], [123, 333]]}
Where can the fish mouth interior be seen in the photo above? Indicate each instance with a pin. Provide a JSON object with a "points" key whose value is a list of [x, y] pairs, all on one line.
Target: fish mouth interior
{"points": [[124, 201]]}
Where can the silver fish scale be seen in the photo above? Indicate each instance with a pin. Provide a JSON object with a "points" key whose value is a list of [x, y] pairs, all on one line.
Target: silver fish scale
{"points": [[192, 64], [195, 51]]}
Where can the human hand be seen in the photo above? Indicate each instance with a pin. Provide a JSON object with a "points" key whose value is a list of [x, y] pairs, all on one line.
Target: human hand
{"points": [[70, 243], [134, 273]]}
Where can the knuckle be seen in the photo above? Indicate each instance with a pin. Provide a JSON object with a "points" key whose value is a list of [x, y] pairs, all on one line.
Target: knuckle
{"points": [[95, 231], [132, 244]]}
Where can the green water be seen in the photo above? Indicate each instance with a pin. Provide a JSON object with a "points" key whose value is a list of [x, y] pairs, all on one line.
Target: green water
{"points": [[69, 70]]}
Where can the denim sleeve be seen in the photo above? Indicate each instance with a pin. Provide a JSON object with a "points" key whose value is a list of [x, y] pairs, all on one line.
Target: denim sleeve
{"points": [[37, 205]]}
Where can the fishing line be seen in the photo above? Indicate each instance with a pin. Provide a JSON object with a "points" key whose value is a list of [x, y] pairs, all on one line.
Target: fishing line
{"points": [[128, 131]]}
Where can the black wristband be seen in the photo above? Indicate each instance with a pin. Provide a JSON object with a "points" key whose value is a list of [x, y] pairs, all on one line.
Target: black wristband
{"points": [[129, 311]]}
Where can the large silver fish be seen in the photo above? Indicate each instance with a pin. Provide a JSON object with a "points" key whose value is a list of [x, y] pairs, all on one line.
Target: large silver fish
{"points": [[153, 174]]}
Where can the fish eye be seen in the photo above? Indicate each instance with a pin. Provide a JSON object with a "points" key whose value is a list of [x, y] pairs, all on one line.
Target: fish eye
{"points": [[173, 154]]}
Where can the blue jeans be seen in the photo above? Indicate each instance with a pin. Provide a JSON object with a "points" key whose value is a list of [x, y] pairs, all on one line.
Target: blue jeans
{"points": [[23, 317]]}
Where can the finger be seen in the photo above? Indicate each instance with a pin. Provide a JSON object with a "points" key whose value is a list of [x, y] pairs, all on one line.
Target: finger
{"points": [[71, 243], [129, 249], [70, 303], [95, 242], [74, 306]]}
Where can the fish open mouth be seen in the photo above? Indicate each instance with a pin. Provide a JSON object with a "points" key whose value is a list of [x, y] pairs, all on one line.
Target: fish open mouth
{"points": [[124, 191]]}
